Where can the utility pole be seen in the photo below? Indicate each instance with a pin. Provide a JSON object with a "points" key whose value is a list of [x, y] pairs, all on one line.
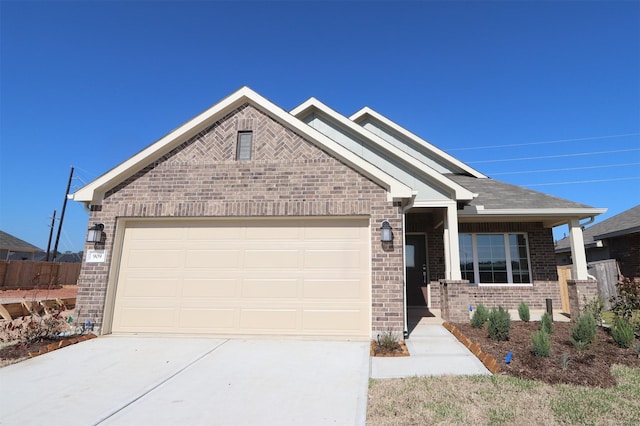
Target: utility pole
{"points": [[53, 223], [64, 207]]}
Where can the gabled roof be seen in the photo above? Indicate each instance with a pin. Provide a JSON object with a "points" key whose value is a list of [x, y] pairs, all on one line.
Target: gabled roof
{"points": [[627, 222], [415, 140], [496, 199], [11, 243], [314, 105], [94, 192]]}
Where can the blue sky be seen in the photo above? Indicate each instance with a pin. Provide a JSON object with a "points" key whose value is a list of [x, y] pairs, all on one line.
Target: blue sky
{"points": [[496, 84]]}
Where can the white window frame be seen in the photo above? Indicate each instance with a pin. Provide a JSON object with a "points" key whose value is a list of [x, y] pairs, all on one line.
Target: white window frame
{"points": [[245, 140], [476, 266]]}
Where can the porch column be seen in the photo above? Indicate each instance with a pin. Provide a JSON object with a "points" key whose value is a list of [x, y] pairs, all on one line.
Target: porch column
{"points": [[451, 246], [578, 255]]}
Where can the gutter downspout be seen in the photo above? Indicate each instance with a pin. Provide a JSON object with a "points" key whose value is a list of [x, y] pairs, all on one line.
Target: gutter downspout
{"points": [[404, 268]]}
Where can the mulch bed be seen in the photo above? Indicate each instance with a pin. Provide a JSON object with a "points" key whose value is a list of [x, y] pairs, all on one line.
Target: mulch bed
{"points": [[377, 350], [590, 367]]}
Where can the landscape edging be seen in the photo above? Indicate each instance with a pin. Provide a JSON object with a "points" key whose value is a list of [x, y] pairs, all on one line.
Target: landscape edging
{"points": [[486, 359], [62, 343]]}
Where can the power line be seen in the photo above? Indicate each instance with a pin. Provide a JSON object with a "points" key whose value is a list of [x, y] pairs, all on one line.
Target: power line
{"points": [[520, 172], [554, 156], [582, 181], [545, 142]]}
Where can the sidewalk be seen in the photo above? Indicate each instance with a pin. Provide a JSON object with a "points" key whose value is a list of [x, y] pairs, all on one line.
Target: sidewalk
{"points": [[434, 352]]}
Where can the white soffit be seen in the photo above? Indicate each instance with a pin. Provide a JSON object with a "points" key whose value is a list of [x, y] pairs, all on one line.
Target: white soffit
{"points": [[93, 192], [550, 216], [312, 104], [416, 139]]}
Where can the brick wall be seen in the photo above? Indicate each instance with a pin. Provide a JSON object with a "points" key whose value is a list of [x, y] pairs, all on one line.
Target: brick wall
{"points": [[580, 292], [461, 294], [287, 176]]}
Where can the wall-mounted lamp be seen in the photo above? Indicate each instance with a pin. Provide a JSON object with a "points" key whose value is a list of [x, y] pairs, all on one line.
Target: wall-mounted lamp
{"points": [[386, 234], [95, 233]]}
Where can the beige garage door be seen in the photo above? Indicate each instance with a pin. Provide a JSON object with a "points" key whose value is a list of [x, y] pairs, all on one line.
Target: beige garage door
{"points": [[278, 276]]}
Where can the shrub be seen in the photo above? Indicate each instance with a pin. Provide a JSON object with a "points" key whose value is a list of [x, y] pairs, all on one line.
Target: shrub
{"points": [[546, 323], [523, 312], [627, 303], [622, 332], [541, 344], [628, 299], [499, 323], [583, 333], [564, 361], [595, 306], [389, 341], [480, 316]]}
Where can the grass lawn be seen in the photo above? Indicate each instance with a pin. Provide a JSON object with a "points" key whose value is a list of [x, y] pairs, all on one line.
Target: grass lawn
{"points": [[495, 400]]}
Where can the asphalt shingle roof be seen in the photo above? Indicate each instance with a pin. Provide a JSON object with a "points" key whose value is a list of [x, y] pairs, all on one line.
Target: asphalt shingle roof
{"points": [[494, 194], [9, 242], [623, 223]]}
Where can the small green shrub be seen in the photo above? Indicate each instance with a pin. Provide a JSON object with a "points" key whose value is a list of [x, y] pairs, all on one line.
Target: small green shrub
{"points": [[523, 312], [541, 344], [628, 300], [546, 323], [622, 332], [636, 348], [499, 324], [480, 316], [583, 333]]}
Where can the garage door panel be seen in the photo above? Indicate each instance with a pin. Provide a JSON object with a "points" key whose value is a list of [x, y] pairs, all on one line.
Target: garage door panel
{"points": [[271, 259], [270, 289], [144, 287], [345, 321], [332, 259], [268, 319], [210, 288], [337, 289], [244, 276], [207, 319], [165, 259], [150, 318], [213, 258]]}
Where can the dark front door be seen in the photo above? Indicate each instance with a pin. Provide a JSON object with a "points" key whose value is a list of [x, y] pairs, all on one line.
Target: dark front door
{"points": [[416, 264]]}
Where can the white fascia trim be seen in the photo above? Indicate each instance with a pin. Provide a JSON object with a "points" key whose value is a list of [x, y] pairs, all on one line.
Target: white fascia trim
{"points": [[312, 104], [417, 139], [577, 212], [434, 204], [94, 191]]}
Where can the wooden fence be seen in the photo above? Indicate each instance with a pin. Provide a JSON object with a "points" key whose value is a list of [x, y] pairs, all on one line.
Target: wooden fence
{"points": [[606, 272], [27, 274]]}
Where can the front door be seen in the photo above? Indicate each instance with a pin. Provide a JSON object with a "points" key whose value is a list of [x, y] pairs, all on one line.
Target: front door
{"points": [[416, 265]]}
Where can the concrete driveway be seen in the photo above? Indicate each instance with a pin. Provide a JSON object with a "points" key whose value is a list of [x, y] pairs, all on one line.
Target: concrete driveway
{"points": [[117, 380]]}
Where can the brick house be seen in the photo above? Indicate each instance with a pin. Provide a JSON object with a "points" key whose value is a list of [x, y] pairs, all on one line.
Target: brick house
{"points": [[251, 220]]}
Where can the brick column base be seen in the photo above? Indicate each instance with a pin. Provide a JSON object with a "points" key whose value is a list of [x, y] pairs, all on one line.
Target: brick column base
{"points": [[578, 291], [454, 300]]}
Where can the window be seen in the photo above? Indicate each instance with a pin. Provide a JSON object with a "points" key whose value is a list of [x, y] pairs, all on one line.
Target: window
{"points": [[243, 149], [494, 258]]}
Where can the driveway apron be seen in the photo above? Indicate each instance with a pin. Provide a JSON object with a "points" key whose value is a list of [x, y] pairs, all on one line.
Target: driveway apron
{"points": [[118, 380]]}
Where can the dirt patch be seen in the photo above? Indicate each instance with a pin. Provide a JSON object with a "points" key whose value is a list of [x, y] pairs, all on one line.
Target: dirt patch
{"points": [[591, 367], [39, 293]]}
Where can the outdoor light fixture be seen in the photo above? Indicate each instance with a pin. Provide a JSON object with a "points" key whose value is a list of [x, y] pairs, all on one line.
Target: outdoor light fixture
{"points": [[95, 233], [385, 232]]}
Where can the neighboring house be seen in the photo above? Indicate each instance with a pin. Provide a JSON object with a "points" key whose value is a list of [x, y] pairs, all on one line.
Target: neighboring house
{"points": [[249, 219], [615, 238], [13, 248]]}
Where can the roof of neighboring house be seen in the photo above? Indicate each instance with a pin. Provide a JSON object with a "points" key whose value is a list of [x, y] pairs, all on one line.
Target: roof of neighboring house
{"points": [[496, 198], [627, 222], [11, 243]]}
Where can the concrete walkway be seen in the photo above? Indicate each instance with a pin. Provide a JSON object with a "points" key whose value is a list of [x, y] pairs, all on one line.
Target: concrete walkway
{"points": [[434, 352]]}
